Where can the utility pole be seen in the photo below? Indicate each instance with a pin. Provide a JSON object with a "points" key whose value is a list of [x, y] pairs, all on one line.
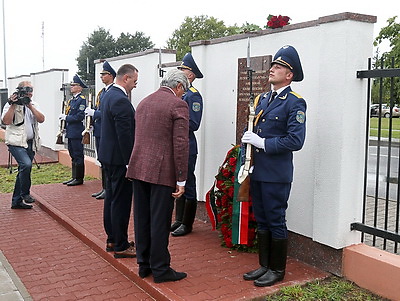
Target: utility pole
{"points": [[43, 43]]}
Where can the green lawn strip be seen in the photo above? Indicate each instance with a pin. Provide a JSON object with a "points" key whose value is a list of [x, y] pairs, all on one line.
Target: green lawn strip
{"points": [[46, 174], [385, 122], [332, 289]]}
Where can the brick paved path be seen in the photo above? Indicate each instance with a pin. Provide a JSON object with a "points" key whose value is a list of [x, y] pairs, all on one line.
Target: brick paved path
{"points": [[53, 264], [57, 250]]}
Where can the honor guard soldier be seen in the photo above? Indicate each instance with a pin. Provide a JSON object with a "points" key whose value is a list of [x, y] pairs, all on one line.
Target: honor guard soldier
{"points": [[279, 130], [185, 210], [107, 77], [74, 116]]}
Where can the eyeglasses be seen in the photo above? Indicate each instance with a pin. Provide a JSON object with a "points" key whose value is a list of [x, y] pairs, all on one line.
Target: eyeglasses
{"points": [[183, 87]]}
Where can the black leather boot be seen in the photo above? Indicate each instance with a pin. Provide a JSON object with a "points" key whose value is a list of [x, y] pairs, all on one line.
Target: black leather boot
{"points": [[188, 218], [73, 171], [264, 243], [179, 209], [80, 173], [277, 265], [96, 194], [102, 193]]}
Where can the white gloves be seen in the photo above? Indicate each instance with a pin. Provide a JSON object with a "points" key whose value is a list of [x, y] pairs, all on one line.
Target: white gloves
{"points": [[62, 116], [253, 139], [89, 111]]}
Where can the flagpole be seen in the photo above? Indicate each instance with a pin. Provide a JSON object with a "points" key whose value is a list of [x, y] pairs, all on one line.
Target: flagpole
{"points": [[4, 45]]}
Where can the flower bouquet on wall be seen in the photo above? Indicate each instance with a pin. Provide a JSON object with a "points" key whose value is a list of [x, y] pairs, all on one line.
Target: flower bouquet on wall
{"points": [[234, 219], [277, 21]]}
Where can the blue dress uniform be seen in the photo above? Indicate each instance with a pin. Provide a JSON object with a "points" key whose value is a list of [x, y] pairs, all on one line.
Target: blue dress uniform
{"points": [[195, 105], [107, 69], [186, 206], [75, 114], [280, 126]]}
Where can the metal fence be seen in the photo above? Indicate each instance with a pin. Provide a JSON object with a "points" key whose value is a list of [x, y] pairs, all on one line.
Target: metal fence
{"points": [[381, 203]]}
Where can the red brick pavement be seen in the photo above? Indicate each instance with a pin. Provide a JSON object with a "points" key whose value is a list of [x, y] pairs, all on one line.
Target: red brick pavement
{"points": [[53, 264], [35, 250], [60, 255]]}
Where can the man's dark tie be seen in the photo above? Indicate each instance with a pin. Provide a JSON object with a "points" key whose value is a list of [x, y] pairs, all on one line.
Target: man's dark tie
{"points": [[272, 97]]}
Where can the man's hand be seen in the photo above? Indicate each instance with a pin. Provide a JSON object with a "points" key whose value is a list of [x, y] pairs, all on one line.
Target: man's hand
{"points": [[12, 99], [180, 190], [89, 111], [253, 139]]}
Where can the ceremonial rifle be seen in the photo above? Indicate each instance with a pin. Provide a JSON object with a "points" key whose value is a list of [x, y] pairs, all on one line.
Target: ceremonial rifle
{"points": [[243, 177], [62, 122], [86, 131], [160, 70]]}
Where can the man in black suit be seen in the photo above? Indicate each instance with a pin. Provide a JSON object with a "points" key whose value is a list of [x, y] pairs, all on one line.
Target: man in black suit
{"points": [[116, 144]]}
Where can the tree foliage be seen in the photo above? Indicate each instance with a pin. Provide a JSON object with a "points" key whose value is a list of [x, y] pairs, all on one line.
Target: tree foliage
{"points": [[248, 27], [101, 44], [389, 59], [197, 28]]}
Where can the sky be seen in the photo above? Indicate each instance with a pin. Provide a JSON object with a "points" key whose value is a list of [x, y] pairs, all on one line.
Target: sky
{"points": [[68, 24]]}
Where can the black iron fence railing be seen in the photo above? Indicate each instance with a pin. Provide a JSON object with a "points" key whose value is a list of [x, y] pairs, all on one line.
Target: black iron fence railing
{"points": [[381, 202]]}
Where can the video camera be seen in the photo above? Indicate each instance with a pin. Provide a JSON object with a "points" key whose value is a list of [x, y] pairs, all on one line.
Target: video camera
{"points": [[22, 95]]}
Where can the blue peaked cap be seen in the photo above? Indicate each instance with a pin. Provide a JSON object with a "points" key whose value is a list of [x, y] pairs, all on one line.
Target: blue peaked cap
{"points": [[76, 80], [287, 56], [188, 63], [107, 69]]}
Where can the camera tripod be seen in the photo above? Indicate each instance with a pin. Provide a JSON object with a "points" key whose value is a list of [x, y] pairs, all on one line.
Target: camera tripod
{"points": [[10, 159]]}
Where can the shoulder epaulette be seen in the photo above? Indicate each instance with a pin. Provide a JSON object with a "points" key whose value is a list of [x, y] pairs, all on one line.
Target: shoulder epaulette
{"points": [[256, 100], [83, 96], [193, 89], [295, 94]]}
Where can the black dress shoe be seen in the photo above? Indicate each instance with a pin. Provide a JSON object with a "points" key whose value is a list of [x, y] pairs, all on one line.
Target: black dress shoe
{"points": [[21, 206], [269, 278], [144, 272], [253, 275], [75, 182], [96, 193], [182, 230], [102, 195], [68, 181], [175, 226], [170, 275], [28, 199]]}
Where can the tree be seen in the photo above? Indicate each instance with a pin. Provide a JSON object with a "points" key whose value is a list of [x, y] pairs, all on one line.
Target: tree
{"points": [[128, 43], [197, 28], [390, 59], [101, 44], [248, 27]]}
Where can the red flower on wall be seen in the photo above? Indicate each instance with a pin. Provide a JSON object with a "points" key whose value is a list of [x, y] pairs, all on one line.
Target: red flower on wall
{"points": [[277, 21]]}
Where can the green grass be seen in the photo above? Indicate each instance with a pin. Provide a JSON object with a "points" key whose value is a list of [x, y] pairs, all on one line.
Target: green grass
{"points": [[45, 174], [385, 127], [330, 289]]}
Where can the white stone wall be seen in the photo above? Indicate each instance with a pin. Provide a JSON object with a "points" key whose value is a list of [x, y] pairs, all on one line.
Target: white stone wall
{"points": [[49, 97], [328, 183]]}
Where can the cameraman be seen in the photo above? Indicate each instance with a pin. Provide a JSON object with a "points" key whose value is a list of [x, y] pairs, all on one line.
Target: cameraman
{"points": [[21, 116]]}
